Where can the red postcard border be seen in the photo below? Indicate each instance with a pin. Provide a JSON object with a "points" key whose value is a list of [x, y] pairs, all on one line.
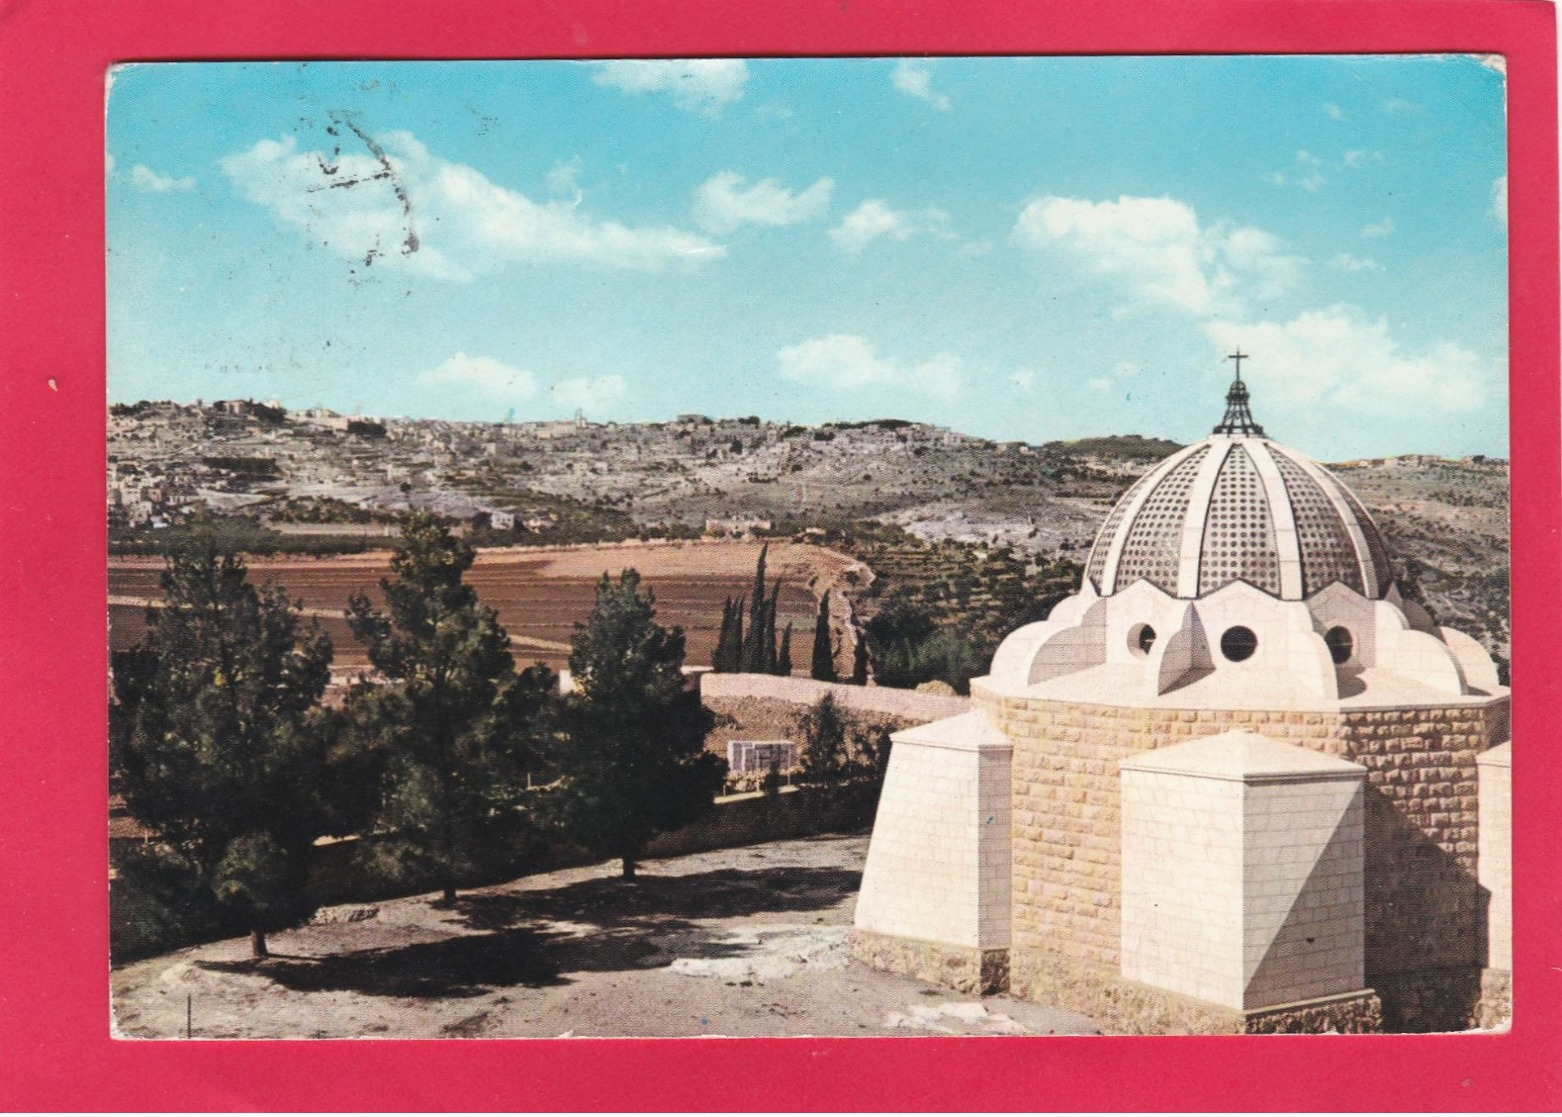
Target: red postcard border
{"points": [[55, 1049]]}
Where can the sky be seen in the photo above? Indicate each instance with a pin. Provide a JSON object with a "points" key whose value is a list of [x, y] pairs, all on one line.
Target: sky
{"points": [[1017, 248]]}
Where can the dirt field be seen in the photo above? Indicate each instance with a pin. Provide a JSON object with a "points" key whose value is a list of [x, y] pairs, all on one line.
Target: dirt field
{"points": [[740, 942], [539, 592]]}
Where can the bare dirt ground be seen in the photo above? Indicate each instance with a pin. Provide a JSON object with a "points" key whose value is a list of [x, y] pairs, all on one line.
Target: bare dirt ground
{"points": [[738, 942], [539, 592]]}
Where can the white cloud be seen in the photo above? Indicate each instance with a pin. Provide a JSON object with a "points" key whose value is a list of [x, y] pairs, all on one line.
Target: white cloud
{"points": [[1378, 228], [1157, 247], [1361, 158], [1333, 112], [1340, 358], [1499, 200], [108, 163], [563, 178], [482, 374], [402, 206], [874, 219], [148, 181], [589, 393], [845, 362], [702, 85], [914, 77], [1344, 261], [1101, 383], [721, 205], [1308, 173], [1024, 379], [1311, 174]]}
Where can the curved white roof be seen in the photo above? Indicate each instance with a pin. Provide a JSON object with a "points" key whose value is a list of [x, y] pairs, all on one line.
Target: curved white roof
{"points": [[1239, 507]]}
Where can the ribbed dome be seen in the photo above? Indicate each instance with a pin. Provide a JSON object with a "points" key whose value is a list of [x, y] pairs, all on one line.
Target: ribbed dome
{"points": [[1238, 507]]}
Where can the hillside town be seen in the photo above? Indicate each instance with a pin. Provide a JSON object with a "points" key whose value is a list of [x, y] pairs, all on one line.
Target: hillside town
{"points": [[317, 472]]}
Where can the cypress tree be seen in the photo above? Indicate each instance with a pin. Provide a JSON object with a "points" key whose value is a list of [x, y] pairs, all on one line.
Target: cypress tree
{"points": [[767, 641], [860, 662], [735, 648], [721, 658], [823, 665], [753, 646], [784, 656]]}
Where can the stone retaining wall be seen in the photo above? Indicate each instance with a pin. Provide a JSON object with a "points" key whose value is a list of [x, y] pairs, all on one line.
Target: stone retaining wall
{"points": [[964, 969], [1123, 1007], [766, 707], [912, 705]]}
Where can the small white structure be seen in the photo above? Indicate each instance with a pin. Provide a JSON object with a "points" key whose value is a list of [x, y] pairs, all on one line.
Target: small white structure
{"points": [[744, 758], [935, 889], [1242, 871]]}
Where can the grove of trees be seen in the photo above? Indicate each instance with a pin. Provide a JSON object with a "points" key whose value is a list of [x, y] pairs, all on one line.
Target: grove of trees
{"points": [[754, 649], [444, 749], [221, 747]]}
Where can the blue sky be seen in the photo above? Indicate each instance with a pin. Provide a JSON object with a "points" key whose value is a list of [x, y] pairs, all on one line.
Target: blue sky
{"points": [[1030, 248]]}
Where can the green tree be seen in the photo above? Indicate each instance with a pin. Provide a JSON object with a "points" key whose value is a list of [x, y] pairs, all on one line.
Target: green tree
{"points": [[754, 644], [822, 665], [757, 651], [769, 657], [452, 722], [784, 656], [217, 741], [825, 757], [632, 759], [728, 656]]}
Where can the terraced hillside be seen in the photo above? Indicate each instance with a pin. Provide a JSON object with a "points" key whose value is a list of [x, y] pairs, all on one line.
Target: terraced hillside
{"points": [[950, 514], [540, 593], [1447, 525]]}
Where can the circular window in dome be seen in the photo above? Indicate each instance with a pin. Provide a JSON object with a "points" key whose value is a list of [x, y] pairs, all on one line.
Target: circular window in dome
{"points": [[1341, 645], [1238, 643], [1141, 638]]}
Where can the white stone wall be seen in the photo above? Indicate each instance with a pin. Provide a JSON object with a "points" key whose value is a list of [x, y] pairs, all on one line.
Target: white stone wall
{"points": [[1242, 871], [938, 865], [1304, 908], [1182, 884], [995, 854], [805, 692], [1495, 859]]}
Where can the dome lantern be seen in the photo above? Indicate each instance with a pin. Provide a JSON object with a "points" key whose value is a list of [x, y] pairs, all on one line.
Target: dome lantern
{"points": [[1238, 419]]}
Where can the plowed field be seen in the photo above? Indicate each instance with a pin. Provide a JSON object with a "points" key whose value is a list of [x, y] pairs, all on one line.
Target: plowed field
{"points": [[539, 593]]}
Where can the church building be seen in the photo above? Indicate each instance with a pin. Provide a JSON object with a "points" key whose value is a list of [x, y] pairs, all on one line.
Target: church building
{"points": [[1236, 783]]}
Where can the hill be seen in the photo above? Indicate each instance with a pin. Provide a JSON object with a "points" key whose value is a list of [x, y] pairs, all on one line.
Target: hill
{"points": [[319, 482]]}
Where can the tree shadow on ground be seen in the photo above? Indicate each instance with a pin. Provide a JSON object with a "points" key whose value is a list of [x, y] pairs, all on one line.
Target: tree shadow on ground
{"points": [[610, 902], [508, 939], [465, 966]]}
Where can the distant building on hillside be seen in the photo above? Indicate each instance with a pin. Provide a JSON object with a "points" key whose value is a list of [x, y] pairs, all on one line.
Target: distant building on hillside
{"points": [[736, 527]]}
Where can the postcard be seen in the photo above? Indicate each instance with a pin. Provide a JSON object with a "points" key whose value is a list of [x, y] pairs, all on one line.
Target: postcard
{"points": [[858, 552]]}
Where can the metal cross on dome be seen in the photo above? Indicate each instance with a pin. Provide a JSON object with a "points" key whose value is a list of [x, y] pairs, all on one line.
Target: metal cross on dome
{"points": [[1238, 419]]}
